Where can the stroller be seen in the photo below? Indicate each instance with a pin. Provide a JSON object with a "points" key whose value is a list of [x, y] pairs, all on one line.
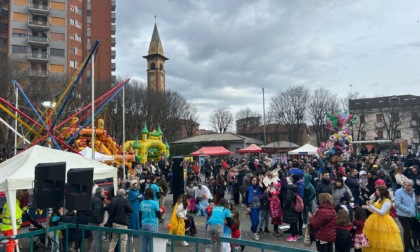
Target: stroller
{"points": [[40, 241]]}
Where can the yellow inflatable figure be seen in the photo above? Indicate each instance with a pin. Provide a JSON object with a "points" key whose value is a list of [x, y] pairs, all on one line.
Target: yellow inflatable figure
{"points": [[149, 147]]}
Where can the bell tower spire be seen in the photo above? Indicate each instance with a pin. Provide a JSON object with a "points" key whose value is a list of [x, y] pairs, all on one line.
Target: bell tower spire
{"points": [[156, 80]]}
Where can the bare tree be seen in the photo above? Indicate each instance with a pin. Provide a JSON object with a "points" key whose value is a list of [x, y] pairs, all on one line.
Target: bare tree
{"points": [[191, 119], [221, 120], [289, 108], [394, 116], [321, 103], [247, 120]]}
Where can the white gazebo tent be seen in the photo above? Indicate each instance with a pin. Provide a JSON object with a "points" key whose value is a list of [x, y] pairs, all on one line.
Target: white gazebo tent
{"points": [[307, 149], [19, 171], [87, 152]]}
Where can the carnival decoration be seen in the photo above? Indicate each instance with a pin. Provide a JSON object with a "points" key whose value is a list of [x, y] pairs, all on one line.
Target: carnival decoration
{"points": [[336, 148]]}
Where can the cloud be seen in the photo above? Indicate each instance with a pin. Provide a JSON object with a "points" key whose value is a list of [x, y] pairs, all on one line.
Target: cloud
{"points": [[222, 52]]}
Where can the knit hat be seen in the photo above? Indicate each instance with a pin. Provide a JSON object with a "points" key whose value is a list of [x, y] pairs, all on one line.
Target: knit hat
{"points": [[375, 166], [361, 173], [380, 182]]}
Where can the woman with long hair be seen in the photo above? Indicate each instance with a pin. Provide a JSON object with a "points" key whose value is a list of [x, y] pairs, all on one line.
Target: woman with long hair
{"points": [[252, 196], [380, 228], [324, 223], [179, 216]]}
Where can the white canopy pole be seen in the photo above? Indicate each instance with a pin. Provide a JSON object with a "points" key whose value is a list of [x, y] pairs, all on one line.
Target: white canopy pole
{"points": [[123, 110]]}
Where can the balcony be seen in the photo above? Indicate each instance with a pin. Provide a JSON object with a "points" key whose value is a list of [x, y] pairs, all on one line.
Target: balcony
{"points": [[38, 57], [113, 16], [39, 25], [379, 125], [39, 9], [113, 41], [38, 73], [4, 12], [38, 41], [113, 78], [113, 66], [113, 54], [113, 5], [113, 29]]}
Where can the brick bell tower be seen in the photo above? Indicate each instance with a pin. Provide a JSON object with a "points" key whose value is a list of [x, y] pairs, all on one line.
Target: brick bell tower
{"points": [[156, 79]]}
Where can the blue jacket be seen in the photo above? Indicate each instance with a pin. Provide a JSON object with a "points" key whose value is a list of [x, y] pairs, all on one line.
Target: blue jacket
{"points": [[406, 204]]}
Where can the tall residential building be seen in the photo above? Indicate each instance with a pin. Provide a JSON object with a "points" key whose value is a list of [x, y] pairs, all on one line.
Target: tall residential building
{"points": [[156, 64], [54, 37]]}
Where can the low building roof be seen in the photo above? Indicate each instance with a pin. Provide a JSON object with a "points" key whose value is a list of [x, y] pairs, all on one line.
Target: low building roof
{"points": [[223, 137]]}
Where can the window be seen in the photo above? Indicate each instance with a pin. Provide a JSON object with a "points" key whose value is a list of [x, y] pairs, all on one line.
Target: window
{"points": [[363, 135], [54, 52], [362, 119], [395, 117], [161, 66], [380, 134], [414, 116], [89, 13], [73, 50], [57, 36], [19, 49], [77, 37], [397, 134], [73, 63], [378, 118], [415, 133], [72, 21], [152, 66], [19, 35], [78, 10]]}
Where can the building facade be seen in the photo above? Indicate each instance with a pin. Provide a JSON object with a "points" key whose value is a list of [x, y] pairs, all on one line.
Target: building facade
{"points": [[394, 118], [251, 127], [53, 37], [156, 80]]}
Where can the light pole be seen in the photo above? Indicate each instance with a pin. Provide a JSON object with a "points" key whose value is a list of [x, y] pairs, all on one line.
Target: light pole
{"points": [[49, 106], [265, 130]]}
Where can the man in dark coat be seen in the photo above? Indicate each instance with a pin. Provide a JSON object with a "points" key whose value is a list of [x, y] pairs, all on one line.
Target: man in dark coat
{"points": [[119, 210], [324, 185], [353, 184], [97, 217]]}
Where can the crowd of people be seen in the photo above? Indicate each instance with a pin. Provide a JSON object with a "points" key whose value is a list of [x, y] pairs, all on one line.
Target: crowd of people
{"points": [[355, 204]]}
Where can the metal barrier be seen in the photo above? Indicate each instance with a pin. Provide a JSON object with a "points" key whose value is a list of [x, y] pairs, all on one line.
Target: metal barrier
{"points": [[172, 238]]}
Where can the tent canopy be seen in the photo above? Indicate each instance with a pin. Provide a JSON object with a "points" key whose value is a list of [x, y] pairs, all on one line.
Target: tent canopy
{"points": [[19, 171], [306, 149], [253, 148], [87, 152], [212, 151]]}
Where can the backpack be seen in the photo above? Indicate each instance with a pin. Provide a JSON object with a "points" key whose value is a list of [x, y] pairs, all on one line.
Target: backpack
{"points": [[298, 205]]}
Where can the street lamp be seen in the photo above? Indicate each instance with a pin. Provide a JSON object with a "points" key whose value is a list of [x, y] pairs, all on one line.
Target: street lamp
{"points": [[49, 106], [265, 131]]}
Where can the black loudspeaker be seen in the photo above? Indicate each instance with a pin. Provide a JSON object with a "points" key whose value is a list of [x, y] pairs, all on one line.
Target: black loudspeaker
{"points": [[79, 189], [49, 185], [177, 177]]}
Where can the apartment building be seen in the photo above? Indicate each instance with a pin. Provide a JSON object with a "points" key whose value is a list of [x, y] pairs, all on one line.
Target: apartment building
{"points": [[53, 37], [394, 118]]}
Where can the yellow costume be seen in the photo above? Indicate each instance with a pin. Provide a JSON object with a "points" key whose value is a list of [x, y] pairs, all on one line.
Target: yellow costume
{"points": [[382, 231], [177, 224]]}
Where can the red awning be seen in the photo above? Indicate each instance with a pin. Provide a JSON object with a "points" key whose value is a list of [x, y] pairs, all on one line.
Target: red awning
{"points": [[212, 151], [250, 149]]}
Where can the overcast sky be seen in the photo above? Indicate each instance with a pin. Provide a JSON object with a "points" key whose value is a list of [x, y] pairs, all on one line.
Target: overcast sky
{"points": [[223, 51]]}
